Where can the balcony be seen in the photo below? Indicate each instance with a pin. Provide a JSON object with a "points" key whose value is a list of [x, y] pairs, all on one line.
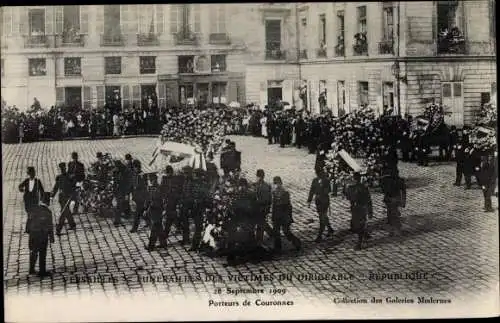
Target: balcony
{"points": [[321, 52], [36, 41], [452, 43], [386, 47], [147, 40], [340, 50], [186, 37], [219, 39], [303, 54], [360, 47], [73, 40], [110, 40], [275, 54]]}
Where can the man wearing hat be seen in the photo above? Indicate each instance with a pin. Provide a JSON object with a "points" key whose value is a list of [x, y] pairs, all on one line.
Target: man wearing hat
{"points": [[186, 202], [41, 231], [33, 190], [139, 194], [200, 196], [394, 189], [320, 190], [154, 205], [263, 202], [282, 216], [361, 207], [488, 176], [76, 172], [64, 187], [171, 191]]}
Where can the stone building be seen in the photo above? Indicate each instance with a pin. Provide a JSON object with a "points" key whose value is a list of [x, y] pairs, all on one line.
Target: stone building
{"points": [[335, 56]]}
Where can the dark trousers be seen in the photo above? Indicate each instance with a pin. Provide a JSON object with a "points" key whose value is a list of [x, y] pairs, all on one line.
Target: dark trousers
{"points": [[488, 190], [65, 214], [405, 151], [191, 210], [393, 216], [261, 225], [324, 221], [279, 226], [459, 171], [422, 157], [157, 231], [170, 219], [270, 136], [139, 213], [120, 208], [38, 250], [198, 228]]}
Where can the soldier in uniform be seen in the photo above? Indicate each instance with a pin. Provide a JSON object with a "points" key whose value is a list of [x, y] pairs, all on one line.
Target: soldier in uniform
{"points": [[139, 194], [41, 231], [200, 201], [76, 172], [154, 204], [171, 190], [320, 190], [64, 187], [459, 148], [361, 207], [212, 172], [282, 216], [187, 202], [394, 189], [300, 127], [488, 175], [121, 184], [33, 191], [225, 157], [263, 200]]}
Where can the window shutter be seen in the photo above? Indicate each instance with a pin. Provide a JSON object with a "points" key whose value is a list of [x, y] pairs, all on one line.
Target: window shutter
{"points": [[159, 18], [84, 20], [174, 18], [99, 19], [194, 21], [49, 20], [126, 96], [59, 19], [162, 94], [136, 95], [87, 97], [59, 96]]}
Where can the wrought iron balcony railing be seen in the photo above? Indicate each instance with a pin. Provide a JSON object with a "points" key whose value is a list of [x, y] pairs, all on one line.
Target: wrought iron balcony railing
{"points": [[386, 47], [451, 45], [340, 50], [321, 53], [219, 39], [36, 41], [275, 54], [360, 49], [148, 40], [186, 37], [112, 40], [303, 54], [70, 40]]}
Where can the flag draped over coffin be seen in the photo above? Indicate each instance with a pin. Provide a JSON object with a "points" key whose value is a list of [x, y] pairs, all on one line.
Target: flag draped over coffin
{"points": [[177, 155]]}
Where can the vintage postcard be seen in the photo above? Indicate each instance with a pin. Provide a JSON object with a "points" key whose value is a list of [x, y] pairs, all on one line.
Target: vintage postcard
{"points": [[194, 162]]}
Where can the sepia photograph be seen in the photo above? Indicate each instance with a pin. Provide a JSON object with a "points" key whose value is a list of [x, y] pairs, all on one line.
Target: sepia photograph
{"points": [[249, 161]]}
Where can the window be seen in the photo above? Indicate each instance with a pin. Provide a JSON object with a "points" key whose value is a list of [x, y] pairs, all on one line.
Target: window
{"points": [[72, 66], [6, 21], [388, 21], [112, 20], [362, 19], [322, 30], [113, 65], [186, 94], [388, 95], [71, 18], [37, 67], [68, 23], [218, 63], [146, 17], [186, 64], [340, 46], [219, 91], [37, 22], [273, 39], [363, 94], [450, 20], [185, 19], [217, 19], [147, 64]]}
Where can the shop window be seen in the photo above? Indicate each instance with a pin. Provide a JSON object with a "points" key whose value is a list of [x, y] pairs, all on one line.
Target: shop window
{"points": [[219, 93], [147, 64], [113, 65], [37, 67], [72, 66], [186, 94]]}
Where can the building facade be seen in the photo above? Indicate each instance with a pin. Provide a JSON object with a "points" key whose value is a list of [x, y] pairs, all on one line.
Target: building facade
{"points": [[120, 54], [319, 56]]}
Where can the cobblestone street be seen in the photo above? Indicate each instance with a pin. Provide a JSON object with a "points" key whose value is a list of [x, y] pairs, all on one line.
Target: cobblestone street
{"points": [[448, 236]]}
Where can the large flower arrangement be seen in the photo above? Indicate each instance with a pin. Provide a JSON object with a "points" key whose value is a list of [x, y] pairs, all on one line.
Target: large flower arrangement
{"points": [[483, 141], [199, 128], [487, 115], [434, 113]]}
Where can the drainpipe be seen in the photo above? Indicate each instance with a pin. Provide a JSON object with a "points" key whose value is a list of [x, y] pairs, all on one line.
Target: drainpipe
{"points": [[398, 67], [297, 41]]}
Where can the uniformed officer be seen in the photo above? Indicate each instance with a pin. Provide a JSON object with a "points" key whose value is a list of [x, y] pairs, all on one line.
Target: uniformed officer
{"points": [[459, 148], [33, 191], [320, 190], [361, 207], [282, 216], [472, 162], [154, 205], [64, 186], [394, 189], [41, 231], [76, 172], [200, 202], [263, 200], [187, 202], [139, 194], [171, 190], [121, 183], [488, 176]]}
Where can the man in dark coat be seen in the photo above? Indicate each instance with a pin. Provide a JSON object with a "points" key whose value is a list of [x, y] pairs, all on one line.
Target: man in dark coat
{"points": [[171, 191], [154, 205], [121, 184], [41, 231], [459, 148], [225, 158], [394, 189], [361, 207], [320, 190], [263, 200], [64, 187], [488, 176], [300, 128], [282, 216], [139, 194], [76, 172], [271, 128], [212, 173], [199, 198], [33, 191], [187, 202]]}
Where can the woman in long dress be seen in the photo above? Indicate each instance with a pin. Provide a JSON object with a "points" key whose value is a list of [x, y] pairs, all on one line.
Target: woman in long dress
{"points": [[263, 122]]}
